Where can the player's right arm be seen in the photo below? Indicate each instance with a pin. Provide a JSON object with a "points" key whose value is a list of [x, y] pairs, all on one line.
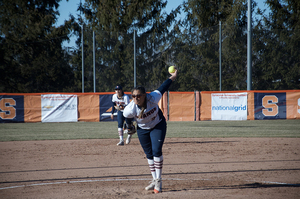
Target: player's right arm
{"points": [[165, 86], [129, 110], [113, 108]]}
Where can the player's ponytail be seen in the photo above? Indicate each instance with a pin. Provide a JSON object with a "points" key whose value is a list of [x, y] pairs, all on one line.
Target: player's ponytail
{"points": [[141, 113]]}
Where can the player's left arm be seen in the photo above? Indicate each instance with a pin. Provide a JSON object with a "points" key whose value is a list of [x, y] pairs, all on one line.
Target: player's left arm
{"points": [[129, 114]]}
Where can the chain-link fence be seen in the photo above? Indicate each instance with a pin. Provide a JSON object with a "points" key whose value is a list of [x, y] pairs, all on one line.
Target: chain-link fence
{"points": [[275, 59]]}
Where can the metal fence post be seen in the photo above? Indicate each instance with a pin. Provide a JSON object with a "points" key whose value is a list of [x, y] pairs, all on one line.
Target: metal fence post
{"points": [[249, 48], [94, 61], [134, 43], [220, 54], [82, 58]]}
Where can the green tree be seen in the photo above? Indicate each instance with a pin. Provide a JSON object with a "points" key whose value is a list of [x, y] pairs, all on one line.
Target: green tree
{"points": [[114, 23], [197, 45], [32, 58], [276, 45]]}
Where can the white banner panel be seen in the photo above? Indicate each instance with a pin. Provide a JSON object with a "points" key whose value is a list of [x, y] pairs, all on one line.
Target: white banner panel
{"points": [[229, 106], [59, 108]]}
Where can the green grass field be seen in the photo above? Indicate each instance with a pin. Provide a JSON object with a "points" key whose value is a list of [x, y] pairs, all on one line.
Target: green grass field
{"points": [[105, 130]]}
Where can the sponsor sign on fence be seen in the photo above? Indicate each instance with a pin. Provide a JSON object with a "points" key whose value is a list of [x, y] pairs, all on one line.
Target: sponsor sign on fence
{"points": [[229, 106], [59, 108]]}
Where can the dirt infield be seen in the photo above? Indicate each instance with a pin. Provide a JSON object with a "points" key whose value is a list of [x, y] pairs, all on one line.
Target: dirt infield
{"points": [[193, 168]]}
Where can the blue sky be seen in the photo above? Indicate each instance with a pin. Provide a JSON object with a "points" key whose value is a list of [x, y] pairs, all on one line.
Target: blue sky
{"points": [[66, 8]]}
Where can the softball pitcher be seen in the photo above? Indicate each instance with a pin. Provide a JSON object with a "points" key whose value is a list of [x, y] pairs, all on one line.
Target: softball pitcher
{"points": [[151, 127]]}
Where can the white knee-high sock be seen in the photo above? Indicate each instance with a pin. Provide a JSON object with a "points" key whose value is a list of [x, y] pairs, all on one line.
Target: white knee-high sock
{"points": [[158, 163], [152, 168], [120, 131]]}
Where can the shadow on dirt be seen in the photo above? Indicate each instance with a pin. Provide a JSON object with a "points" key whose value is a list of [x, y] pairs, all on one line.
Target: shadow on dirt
{"points": [[198, 142], [255, 185]]}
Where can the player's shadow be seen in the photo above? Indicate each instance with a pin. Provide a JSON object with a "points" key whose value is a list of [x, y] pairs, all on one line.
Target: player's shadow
{"points": [[255, 185], [198, 142], [262, 185]]}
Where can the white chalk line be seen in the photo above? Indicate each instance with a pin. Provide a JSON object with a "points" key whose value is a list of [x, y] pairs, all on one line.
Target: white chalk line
{"points": [[111, 180]]}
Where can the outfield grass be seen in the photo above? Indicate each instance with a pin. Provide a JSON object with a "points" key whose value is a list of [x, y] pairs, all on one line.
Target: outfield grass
{"points": [[104, 130]]}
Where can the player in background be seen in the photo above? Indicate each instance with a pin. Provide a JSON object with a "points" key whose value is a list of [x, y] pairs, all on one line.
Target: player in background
{"points": [[151, 127], [120, 100]]}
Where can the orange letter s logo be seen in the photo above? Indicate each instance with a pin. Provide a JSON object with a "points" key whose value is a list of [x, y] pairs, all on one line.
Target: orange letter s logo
{"points": [[270, 106], [7, 111]]}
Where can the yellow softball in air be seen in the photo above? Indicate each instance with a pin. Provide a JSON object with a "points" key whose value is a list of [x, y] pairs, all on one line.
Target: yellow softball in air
{"points": [[172, 69]]}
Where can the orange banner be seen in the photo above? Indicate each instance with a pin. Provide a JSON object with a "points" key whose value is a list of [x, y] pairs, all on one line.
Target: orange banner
{"points": [[250, 109], [32, 108], [293, 105], [181, 106], [163, 105], [205, 106], [197, 102], [88, 108]]}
